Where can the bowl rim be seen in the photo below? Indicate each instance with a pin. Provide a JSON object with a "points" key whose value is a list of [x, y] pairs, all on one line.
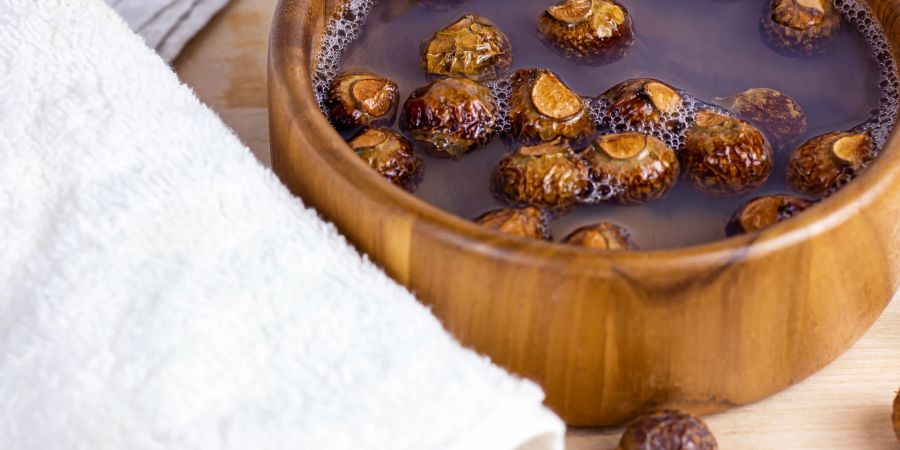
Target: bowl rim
{"points": [[291, 62]]}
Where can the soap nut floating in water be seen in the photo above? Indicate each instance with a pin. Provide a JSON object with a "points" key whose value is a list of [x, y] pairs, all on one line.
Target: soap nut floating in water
{"points": [[548, 175], [777, 115], [800, 27], [668, 430], [825, 163], [763, 212], [631, 168], [391, 155], [450, 117], [602, 236], [591, 31], [543, 109], [643, 100], [528, 222], [726, 156], [360, 98], [471, 47]]}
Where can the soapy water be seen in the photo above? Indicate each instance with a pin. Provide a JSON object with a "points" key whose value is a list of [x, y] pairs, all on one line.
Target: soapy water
{"points": [[348, 23], [344, 27], [882, 119], [853, 86]]}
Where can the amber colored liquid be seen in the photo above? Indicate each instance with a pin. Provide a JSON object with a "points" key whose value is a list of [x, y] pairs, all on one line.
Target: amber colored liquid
{"points": [[708, 48]]}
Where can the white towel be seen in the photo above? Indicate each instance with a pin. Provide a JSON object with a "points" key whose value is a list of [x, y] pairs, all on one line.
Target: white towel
{"points": [[159, 289], [167, 25]]}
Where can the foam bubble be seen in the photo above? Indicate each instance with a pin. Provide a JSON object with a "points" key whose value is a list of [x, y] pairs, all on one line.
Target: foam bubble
{"points": [[670, 128], [344, 27], [883, 118], [501, 90]]}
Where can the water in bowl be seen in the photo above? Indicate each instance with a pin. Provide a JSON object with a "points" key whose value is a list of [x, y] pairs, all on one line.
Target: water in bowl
{"points": [[708, 48]]}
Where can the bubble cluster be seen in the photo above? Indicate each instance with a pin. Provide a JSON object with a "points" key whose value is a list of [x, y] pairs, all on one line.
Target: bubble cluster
{"points": [[881, 119], [344, 27], [602, 189], [501, 91], [349, 18], [670, 128]]}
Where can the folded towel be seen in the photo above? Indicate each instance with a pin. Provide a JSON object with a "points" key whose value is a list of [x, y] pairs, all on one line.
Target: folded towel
{"points": [[160, 289], [167, 25]]}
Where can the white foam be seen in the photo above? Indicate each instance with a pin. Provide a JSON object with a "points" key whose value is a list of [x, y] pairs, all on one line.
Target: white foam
{"points": [[344, 27], [883, 118], [501, 90], [670, 128]]}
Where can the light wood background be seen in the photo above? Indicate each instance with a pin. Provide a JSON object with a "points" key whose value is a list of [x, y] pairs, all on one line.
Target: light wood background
{"points": [[846, 406]]}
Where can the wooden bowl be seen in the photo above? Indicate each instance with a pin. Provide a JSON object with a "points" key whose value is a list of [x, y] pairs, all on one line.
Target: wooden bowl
{"points": [[608, 336]]}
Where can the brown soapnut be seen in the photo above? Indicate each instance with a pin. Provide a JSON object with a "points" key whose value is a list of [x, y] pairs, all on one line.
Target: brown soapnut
{"points": [[360, 98], [800, 27], [763, 212], [778, 116], [471, 47], [668, 430], [631, 168], [528, 222], [450, 117], [391, 155], [591, 31], [726, 156], [642, 100], [544, 109], [826, 163], [548, 175], [602, 236]]}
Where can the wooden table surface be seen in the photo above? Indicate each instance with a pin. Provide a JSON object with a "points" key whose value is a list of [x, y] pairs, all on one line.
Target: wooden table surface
{"points": [[845, 406]]}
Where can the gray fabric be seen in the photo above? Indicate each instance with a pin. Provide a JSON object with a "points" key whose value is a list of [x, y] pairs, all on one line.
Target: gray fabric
{"points": [[167, 25]]}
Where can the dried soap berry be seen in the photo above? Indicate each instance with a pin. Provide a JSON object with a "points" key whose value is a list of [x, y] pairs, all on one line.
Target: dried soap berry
{"points": [[668, 430], [631, 168], [391, 155], [591, 31], [800, 27], [528, 222], [471, 47], [897, 416], [726, 156], [358, 99], [764, 212], [602, 236], [441, 5], [548, 175], [450, 117], [826, 163], [777, 115], [642, 101], [544, 109]]}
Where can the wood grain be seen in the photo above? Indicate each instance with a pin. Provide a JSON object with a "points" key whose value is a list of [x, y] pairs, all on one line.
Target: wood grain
{"points": [[226, 67], [608, 336], [845, 406]]}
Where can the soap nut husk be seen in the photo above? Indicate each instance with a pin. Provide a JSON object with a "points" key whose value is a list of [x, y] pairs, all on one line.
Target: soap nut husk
{"points": [[544, 109], [593, 32], [391, 155], [726, 156], [602, 236], [549, 175], [528, 222], [450, 117]]}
